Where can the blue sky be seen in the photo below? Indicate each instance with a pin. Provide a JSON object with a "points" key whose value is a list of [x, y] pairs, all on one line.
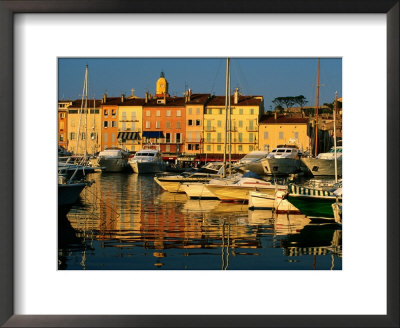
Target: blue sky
{"points": [[269, 77]]}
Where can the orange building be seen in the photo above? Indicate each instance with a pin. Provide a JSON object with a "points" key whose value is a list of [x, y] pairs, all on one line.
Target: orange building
{"points": [[109, 120], [63, 122]]}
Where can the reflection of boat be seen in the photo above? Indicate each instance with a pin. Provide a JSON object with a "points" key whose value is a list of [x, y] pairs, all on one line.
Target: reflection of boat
{"points": [[113, 160], [147, 161], [239, 191], [260, 217], [337, 212], [283, 160], [197, 205], [288, 224], [324, 163], [225, 208], [172, 183], [252, 162], [314, 203]]}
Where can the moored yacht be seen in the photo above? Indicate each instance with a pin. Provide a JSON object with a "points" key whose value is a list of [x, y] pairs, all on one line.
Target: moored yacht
{"points": [[147, 161], [283, 160], [324, 163], [252, 162], [113, 160]]}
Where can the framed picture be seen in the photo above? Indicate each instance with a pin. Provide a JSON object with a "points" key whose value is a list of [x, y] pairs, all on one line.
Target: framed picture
{"points": [[188, 298]]}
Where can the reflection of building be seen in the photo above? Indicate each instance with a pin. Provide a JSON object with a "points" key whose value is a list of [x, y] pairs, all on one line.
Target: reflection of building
{"points": [[276, 130], [86, 124], [245, 114], [63, 122]]}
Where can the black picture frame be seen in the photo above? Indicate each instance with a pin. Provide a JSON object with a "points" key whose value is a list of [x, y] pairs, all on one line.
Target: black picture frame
{"points": [[10, 7]]}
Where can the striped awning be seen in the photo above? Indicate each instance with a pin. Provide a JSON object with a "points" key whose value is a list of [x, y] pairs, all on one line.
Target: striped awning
{"points": [[128, 135]]}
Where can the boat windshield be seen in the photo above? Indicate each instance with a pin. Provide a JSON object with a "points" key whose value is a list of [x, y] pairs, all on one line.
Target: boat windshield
{"points": [[146, 154]]}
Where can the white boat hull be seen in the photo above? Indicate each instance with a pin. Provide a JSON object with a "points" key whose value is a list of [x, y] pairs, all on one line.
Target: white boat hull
{"points": [[238, 193], [147, 167], [281, 166], [197, 190], [113, 164], [173, 184], [261, 200], [323, 167]]}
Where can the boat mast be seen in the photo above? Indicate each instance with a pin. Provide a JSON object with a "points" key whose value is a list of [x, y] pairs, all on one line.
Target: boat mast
{"points": [[229, 120], [86, 110], [84, 91], [316, 116], [334, 137], [226, 113]]}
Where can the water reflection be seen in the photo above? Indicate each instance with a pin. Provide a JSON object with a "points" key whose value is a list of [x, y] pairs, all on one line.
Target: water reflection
{"points": [[125, 221]]}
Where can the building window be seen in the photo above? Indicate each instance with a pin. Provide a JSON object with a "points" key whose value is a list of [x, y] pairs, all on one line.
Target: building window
{"points": [[114, 124], [147, 124], [197, 147], [93, 135], [105, 124], [266, 135], [133, 116], [190, 111], [197, 111], [219, 147], [189, 136], [189, 147], [158, 113], [168, 113], [240, 137], [296, 135], [157, 124], [178, 113], [209, 111], [61, 138], [251, 137], [240, 148], [167, 148], [178, 125], [113, 112], [208, 147], [72, 136], [280, 135], [198, 122], [83, 136], [147, 113], [105, 112], [113, 137], [220, 111], [251, 111], [190, 122], [240, 124], [219, 123], [251, 148], [62, 115], [62, 125], [219, 139], [168, 137], [240, 111], [106, 137], [178, 137], [123, 126], [198, 136], [168, 125], [124, 116], [208, 136]]}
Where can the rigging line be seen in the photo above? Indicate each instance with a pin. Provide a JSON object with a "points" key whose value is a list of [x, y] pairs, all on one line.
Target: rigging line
{"points": [[216, 75], [240, 75]]}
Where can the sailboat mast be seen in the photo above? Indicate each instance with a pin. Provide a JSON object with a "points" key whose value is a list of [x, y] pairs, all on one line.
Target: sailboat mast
{"points": [[316, 116], [86, 110], [229, 119], [226, 113], [334, 137], [80, 113]]}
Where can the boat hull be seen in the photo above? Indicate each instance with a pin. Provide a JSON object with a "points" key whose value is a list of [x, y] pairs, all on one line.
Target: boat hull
{"points": [[197, 190], [311, 206], [147, 167], [255, 167], [68, 194], [260, 200], [323, 167], [281, 166], [174, 184], [238, 193], [113, 164]]}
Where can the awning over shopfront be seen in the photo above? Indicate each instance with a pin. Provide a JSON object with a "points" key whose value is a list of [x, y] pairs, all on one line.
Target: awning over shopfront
{"points": [[153, 134], [128, 135]]}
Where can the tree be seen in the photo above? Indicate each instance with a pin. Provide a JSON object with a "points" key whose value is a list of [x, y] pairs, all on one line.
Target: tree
{"points": [[278, 102], [301, 101]]}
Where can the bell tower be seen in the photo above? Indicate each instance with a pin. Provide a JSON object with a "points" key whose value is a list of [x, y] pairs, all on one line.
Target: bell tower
{"points": [[162, 86]]}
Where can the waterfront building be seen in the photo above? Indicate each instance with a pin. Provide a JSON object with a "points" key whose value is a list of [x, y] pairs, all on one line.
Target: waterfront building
{"points": [[194, 104], [130, 123], [63, 122], [275, 129], [84, 127], [109, 120], [245, 114]]}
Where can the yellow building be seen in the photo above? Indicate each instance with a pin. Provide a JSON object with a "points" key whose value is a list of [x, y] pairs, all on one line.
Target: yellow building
{"points": [[86, 125], [63, 122], [277, 130], [194, 104], [130, 123], [245, 114]]}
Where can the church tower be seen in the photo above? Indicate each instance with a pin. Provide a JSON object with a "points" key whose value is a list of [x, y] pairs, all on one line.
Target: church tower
{"points": [[162, 86]]}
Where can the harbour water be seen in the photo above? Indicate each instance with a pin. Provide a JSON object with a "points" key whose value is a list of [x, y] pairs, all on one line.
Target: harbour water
{"points": [[125, 221]]}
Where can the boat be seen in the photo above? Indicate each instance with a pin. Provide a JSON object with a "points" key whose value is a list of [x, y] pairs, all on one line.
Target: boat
{"points": [[324, 163], [260, 200], [147, 161], [239, 191], [283, 160], [252, 162], [337, 212], [69, 191], [314, 203], [198, 190], [113, 160], [173, 183]]}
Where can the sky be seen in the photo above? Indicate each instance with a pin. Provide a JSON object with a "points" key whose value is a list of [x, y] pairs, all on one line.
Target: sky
{"points": [[269, 77]]}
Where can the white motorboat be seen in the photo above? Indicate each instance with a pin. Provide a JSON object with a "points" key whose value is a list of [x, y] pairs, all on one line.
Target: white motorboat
{"points": [[252, 162], [113, 160], [283, 160], [173, 183], [239, 191], [324, 163], [261, 200], [147, 161]]}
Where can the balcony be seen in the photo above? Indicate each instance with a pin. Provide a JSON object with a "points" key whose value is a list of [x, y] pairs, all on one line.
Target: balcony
{"points": [[251, 128], [209, 128]]}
